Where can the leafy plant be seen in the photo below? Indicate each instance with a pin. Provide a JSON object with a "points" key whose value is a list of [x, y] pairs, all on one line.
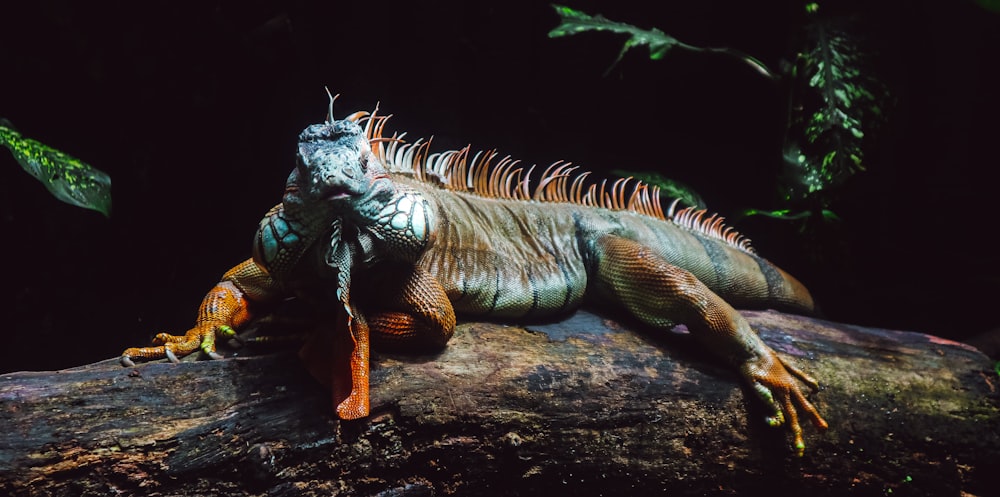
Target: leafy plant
{"points": [[68, 179], [832, 104]]}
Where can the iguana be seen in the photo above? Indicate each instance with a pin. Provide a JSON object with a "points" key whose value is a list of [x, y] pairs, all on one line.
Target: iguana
{"points": [[436, 234]]}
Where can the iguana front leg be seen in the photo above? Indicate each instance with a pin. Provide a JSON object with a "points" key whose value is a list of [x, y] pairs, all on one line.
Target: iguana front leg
{"points": [[403, 307], [662, 294], [337, 355], [224, 308]]}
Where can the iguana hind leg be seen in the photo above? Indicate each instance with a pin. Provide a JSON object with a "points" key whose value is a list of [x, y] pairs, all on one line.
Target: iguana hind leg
{"points": [[661, 294]]}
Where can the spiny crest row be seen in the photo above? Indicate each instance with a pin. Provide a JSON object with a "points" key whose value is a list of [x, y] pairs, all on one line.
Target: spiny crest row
{"points": [[560, 182]]}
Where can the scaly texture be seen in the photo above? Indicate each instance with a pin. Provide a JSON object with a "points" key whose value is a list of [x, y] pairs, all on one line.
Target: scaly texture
{"points": [[428, 235]]}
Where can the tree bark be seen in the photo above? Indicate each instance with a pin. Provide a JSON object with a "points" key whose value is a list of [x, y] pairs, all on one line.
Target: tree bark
{"points": [[580, 407]]}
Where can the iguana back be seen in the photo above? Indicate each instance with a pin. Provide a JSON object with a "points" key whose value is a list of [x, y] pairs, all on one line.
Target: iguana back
{"points": [[524, 259]]}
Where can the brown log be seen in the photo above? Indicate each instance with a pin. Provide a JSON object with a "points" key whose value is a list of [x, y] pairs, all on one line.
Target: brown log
{"points": [[579, 407]]}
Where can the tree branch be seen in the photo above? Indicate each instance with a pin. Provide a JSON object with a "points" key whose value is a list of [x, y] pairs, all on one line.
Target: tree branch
{"points": [[582, 407]]}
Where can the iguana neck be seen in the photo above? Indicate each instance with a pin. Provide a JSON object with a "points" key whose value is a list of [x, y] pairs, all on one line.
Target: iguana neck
{"points": [[396, 226]]}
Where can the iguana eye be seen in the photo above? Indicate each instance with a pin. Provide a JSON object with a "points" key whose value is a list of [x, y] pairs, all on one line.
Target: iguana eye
{"points": [[365, 157], [300, 165]]}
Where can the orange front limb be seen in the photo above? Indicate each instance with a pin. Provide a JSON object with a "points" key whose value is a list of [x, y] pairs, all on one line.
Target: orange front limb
{"points": [[350, 376], [411, 312], [337, 355], [222, 311]]}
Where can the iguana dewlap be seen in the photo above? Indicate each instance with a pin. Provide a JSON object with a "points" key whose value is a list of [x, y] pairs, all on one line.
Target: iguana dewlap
{"points": [[417, 237]]}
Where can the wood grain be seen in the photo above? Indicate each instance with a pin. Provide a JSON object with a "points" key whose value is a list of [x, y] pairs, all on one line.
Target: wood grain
{"points": [[584, 406]]}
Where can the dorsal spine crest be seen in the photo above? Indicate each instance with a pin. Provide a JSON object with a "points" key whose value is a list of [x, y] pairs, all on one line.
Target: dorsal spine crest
{"points": [[560, 182]]}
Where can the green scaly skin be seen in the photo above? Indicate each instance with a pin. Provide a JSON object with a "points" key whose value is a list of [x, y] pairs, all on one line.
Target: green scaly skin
{"points": [[344, 214]]}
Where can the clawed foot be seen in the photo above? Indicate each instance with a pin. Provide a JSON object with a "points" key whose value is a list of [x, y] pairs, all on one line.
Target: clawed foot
{"points": [[774, 380], [173, 347]]}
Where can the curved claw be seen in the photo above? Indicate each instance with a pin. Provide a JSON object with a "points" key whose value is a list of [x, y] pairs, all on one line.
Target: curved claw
{"points": [[774, 382], [170, 355], [224, 308], [175, 347]]}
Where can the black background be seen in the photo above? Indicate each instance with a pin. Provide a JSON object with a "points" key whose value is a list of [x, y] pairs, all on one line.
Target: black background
{"points": [[193, 108]]}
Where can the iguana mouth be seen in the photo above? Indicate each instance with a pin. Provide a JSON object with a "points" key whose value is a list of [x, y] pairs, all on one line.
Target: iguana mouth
{"points": [[341, 192], [338, 193]]}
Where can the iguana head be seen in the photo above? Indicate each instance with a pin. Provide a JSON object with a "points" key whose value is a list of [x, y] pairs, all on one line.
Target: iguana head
{"points": [[341, 194], [336, 175]]}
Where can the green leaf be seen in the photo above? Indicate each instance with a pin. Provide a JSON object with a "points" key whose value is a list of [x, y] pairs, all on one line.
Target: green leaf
{"points": [[69, 179], [788, 215], [659, 43], [575, 22], [991, 5], [784, 214], [668, 187]]}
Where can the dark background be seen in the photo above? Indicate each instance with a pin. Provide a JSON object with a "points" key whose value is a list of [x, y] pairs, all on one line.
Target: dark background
{"points": [[193, 108]]}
